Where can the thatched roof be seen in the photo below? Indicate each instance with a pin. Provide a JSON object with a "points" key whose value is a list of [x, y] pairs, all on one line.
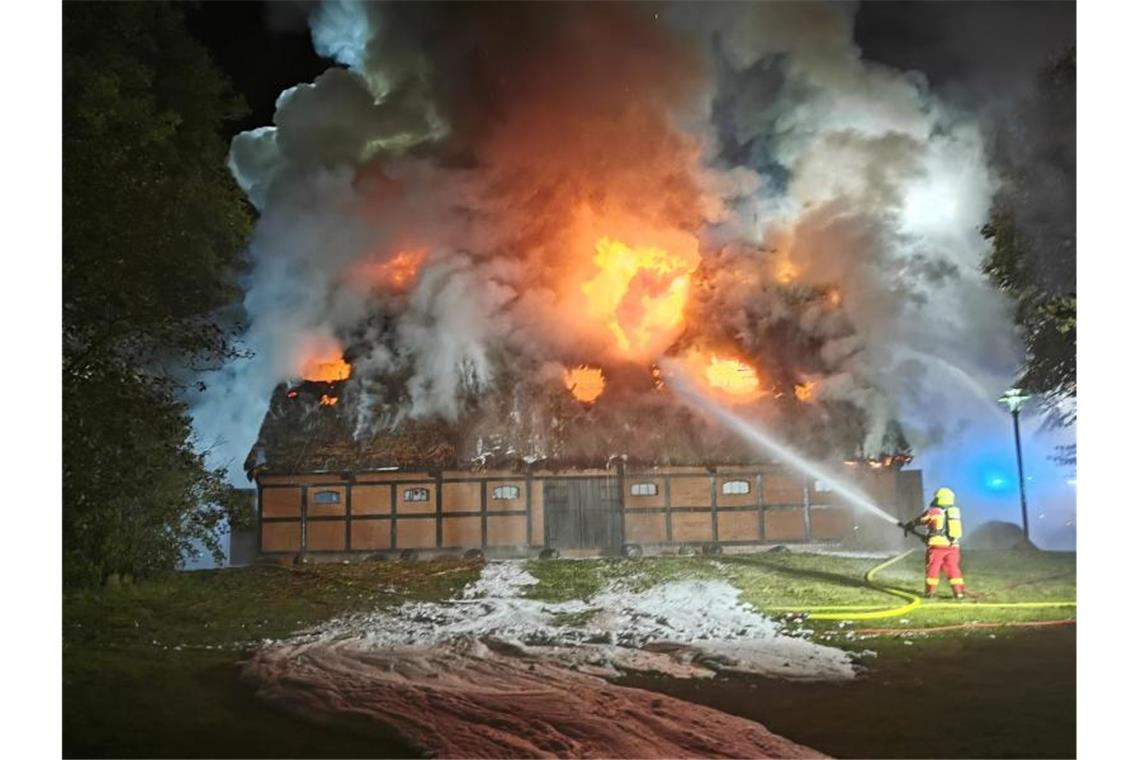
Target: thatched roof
{"points": [[524, 425]]}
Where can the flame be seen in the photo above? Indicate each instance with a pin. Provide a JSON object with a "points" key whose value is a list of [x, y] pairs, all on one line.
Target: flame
{"points": [[396, 273], [585, 383], [326, 367], [327, 400], [806, 391], [733, 377], [728, 378], [786, 271], [639, 293]]}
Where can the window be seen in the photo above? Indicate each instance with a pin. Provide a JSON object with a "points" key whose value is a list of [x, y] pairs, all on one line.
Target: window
{"points": [[505, 492], [822, 486], [326, 497], [416, 494], [736, 487], [643, 489]]}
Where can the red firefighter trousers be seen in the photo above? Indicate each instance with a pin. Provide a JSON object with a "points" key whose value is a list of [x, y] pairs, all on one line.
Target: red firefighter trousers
{"points": [[939, 558]]}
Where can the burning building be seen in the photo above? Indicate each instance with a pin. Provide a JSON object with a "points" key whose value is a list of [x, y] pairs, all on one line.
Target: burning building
{"points": [[538, 468], [478, 261]]}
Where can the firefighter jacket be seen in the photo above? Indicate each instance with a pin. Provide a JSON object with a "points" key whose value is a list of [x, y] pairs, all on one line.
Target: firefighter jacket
{"points": [[943, 525]]}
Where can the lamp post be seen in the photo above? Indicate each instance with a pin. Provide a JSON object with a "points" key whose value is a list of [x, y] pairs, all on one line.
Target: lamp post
{"points": [[1013, 400]]}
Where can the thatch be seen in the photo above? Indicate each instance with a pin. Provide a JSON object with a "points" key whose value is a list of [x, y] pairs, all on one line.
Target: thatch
{"points": [[299, 434], [522, 425]]}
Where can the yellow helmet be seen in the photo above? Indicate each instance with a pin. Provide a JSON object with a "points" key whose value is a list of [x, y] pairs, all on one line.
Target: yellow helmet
{"points": [[944, 497]]}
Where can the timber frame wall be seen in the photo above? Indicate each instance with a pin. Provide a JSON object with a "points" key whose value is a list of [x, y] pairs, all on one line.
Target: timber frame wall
{"points": [[455, 510]]}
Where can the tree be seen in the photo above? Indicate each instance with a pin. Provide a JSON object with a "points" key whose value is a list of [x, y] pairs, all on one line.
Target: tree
{"points": [[1032, 231], [153, 229]]}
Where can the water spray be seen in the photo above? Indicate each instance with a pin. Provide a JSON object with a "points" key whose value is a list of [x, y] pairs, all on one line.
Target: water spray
{"points": [[763, 440]]}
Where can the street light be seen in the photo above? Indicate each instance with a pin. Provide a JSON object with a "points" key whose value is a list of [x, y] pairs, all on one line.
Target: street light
{"points": [[1013, 400]]}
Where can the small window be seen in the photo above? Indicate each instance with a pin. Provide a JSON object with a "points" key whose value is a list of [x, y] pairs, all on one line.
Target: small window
{"points": [[643, 489], [822, 486], [326, 497], [736, 487], [507, 493], [416, 494]]}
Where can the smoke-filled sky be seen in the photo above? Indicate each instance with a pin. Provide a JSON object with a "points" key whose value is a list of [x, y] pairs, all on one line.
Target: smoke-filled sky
{"points": [[467, 198]]}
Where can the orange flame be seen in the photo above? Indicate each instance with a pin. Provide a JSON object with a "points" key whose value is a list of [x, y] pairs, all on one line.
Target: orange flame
{"points": [[806, 391], [397, 273], [585, 383], [728, 378], [786, 271], [733, 377], [639, 293], [326, 368], [327, 400]]}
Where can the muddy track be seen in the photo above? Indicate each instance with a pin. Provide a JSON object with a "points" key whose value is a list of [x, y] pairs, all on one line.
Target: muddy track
{"points": [[468, 699]]}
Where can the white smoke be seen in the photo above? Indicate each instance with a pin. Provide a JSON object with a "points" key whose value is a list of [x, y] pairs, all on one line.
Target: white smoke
{"points": [[886, 191], [856, 174]]}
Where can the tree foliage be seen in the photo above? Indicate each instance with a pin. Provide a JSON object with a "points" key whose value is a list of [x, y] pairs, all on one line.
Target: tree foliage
{"points": [[153, 228], [1032, 231]]}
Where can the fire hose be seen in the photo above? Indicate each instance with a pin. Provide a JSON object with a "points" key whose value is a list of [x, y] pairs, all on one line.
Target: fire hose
{"points": [[912, 601]]}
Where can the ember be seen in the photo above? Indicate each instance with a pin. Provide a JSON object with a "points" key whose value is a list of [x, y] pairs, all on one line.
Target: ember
{"points": [[806, 391], [585, 383], [327, 400], [786, 271], [396, 273]]}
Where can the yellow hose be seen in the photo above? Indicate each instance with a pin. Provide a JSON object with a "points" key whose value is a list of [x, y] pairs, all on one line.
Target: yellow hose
{"points": [[913, 601]]}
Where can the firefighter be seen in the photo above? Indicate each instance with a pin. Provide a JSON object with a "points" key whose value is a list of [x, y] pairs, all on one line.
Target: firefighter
{"points": [[943, 523]]}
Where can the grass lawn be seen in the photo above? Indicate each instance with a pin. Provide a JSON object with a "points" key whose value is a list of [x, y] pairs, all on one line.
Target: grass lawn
{"points": [[152, 669], [778, 580], [953, 696]]}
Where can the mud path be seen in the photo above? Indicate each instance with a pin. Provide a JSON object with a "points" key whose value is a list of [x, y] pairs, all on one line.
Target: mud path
{"points": [[470, 698]]}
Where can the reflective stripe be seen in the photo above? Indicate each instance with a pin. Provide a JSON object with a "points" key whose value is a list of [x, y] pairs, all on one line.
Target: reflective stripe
{"points": [[932, 581], [957, 581], [938, 541]]}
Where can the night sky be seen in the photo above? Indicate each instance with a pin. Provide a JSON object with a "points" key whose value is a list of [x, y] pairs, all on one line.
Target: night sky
{"points": [[980, 54]]}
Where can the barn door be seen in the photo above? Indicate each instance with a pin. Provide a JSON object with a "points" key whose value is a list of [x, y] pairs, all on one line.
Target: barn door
{"points": [[582, 513]]}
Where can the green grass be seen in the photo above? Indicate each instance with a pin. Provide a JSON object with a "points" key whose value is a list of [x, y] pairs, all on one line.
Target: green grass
{"points": [[963, 696], [151, 670], [771, 580], [972, 692]]}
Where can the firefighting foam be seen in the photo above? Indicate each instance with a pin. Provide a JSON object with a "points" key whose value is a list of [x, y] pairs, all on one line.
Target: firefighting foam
{"points": [[468, 217]]}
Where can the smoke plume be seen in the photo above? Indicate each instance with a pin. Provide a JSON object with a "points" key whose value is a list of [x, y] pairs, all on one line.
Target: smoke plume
{"points": [[438, 209]]}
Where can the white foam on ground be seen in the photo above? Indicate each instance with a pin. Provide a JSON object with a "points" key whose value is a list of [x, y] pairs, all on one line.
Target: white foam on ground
{"points": [[689, 628]]}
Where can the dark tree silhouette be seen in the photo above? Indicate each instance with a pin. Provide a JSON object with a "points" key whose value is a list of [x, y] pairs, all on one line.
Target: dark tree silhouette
{"points": [[153, 229]]}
